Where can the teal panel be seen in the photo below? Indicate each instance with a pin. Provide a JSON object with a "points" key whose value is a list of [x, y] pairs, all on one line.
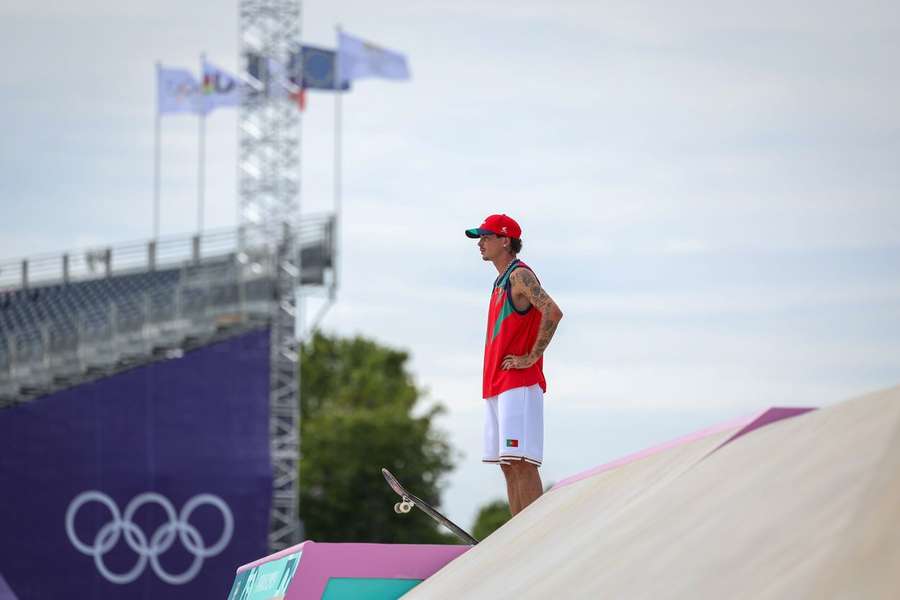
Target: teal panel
{"points": [[265, 581], [362, 588]]}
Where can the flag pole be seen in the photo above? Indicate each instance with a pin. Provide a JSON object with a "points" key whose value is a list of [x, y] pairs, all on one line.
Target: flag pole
{"points": [[156, 157], [201, 167], [201, 184], [338, 85]]}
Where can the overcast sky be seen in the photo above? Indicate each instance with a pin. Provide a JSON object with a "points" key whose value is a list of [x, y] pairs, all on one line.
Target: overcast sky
{"points": [[708, 190]]}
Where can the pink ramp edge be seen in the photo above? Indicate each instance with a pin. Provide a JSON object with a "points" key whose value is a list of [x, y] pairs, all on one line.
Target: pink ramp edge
{"points": [[5, 592], [746, 424], [275, 556], [322, 561], [771, 415]]}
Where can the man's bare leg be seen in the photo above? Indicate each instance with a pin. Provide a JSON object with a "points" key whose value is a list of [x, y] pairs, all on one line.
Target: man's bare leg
{"points": [[512, 491], [523, 484]]}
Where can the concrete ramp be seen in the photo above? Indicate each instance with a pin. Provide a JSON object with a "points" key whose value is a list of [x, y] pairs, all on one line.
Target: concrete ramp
{"points": [[713, 438], [805, 507]]}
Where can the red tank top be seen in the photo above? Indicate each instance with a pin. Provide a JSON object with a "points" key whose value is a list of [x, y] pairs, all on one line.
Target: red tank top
{"points": [[510, 331]]}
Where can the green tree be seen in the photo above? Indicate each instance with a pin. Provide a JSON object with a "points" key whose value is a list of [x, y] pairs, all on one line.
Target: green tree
{"points": [[490, 518], [357, 403]]}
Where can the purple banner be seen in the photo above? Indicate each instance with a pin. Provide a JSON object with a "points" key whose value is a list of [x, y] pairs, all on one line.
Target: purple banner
{"points": [[152, 483]]}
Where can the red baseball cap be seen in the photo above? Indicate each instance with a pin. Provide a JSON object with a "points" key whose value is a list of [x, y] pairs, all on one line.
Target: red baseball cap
{"points": [[501, 225]]}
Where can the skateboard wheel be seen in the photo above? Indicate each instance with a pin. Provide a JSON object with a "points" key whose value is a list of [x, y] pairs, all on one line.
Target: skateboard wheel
{"points": [[405, 507], [397, 508]]}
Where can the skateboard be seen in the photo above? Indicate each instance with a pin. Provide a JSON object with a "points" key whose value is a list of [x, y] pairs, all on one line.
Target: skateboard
{"points": [[407, 501]]}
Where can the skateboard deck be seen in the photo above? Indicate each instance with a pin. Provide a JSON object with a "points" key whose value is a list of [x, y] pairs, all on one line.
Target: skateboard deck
{"points": [[407, 501]]}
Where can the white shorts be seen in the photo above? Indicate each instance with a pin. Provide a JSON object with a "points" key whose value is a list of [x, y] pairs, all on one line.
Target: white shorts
{"points": [[514, 426]]}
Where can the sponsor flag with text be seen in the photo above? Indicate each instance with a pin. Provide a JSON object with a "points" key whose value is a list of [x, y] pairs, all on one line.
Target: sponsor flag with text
{"points": [[220, 88]]}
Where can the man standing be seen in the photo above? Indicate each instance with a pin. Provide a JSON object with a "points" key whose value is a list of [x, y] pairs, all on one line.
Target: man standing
{"points": [[522, 318]]}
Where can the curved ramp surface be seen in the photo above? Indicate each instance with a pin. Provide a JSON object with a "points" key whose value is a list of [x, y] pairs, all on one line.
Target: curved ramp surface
{"points": [[806, 507]]}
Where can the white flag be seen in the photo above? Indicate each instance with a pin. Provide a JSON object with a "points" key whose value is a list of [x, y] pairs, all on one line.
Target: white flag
{"points": [[177, 91], [220, 88], [271, 78], [278, 82], [358, 58], [281, 86]]}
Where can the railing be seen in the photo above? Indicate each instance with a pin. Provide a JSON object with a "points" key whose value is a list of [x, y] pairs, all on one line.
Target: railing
{"points": [[131, 326], [132, 257]]}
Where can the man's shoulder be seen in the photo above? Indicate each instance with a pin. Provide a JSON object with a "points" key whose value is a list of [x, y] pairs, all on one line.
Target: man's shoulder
{"points": [[520, 266], [522, 273]]}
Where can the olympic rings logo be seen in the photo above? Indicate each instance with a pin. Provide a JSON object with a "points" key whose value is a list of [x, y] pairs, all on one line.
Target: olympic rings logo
{"points": [[161, 540]]}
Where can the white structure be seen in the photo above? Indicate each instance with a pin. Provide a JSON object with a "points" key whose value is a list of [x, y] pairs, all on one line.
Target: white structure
{"points": [[269, 190]]}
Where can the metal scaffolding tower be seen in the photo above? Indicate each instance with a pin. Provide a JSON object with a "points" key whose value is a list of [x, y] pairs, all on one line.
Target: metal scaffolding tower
{"points": [[269, 185]]}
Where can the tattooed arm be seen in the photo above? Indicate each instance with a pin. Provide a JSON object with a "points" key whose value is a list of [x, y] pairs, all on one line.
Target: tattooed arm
{"points": [[525, 288]]}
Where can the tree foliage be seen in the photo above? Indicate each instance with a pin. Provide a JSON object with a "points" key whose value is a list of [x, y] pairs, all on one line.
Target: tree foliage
{"points": [[490, 518], [358, 415]]}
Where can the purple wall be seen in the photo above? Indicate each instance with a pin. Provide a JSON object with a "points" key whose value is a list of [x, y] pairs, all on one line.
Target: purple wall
{"points": [[184, 442]]}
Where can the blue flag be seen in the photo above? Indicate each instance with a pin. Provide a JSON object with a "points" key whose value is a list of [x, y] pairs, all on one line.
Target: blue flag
{"points": [[318, 68]]}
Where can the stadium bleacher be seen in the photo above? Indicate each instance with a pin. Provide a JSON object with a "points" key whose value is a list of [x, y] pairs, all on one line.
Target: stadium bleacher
{"points": [[65, 318], [53, 333]]}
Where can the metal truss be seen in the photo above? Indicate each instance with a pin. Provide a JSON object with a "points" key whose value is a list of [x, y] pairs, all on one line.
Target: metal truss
{"points": [[285, 528], [269, 122], [269, 186]]}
